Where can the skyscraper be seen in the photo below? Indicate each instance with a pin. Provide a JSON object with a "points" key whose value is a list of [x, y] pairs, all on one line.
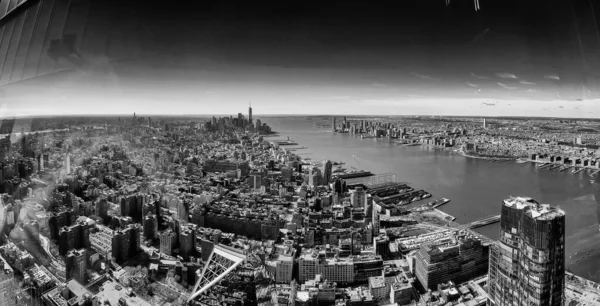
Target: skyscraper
{"points": [[250, 113], [527, 266], [333, 124], [76, 265], [150, 227], [102, 209], [327, 169]]}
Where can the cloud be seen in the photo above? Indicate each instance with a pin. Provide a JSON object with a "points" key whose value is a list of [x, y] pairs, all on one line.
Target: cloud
{"points": [[471, 84], [380, 102], [531, 90], [527, 83], [506, 75], [424, 77], [552, 77], [506, 86], [560, 106], [479, 76], [488, 104], [379, 85], [335, 98]]}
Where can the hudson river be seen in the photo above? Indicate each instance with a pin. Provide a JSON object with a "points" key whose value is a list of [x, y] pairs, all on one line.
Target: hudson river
{"points": [[476, 188]]}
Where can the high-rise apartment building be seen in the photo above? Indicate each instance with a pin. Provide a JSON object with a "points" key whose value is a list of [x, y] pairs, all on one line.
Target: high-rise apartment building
{"points": [[187, 241], [358, 197], [527, 266], [76, 265], [102, 209], [168, 239], [150, 227]]}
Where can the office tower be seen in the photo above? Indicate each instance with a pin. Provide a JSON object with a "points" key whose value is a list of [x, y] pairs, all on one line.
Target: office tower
{"points": [[327, 170], [484, 124], [150, 226], [168, 238], [456, 258], [76, 265], [250, 113], [333, 124], [527, 266]]}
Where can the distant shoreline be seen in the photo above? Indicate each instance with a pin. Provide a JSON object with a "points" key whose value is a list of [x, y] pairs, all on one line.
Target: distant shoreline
{"points": [[461, 152]]}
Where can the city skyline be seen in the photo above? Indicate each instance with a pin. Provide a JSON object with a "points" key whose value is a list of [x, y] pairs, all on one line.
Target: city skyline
{"points": [[505, 59]]}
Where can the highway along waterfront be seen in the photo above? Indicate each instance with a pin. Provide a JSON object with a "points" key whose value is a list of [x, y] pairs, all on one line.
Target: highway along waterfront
{"points": [[475, 187]]}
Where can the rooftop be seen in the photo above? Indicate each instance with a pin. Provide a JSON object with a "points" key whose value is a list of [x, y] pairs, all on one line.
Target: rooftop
{"points": [[534, 209], [112, 292], [520, 202], [376, 282]]}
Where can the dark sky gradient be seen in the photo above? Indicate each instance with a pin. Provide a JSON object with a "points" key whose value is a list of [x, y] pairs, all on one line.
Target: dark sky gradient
{"points": [[404, 57]]}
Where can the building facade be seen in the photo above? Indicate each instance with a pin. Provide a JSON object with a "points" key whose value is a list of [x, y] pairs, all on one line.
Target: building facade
{"points": [[527, 266]]}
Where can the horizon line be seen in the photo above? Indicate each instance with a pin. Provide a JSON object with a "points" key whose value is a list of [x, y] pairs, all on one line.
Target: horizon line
{"points": [[286, 115]]}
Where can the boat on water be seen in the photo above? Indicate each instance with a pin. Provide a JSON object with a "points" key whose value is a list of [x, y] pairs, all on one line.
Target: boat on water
{"points": [[439, 202], [425, 196], [404, 202], [366, 136], [521, 160]]}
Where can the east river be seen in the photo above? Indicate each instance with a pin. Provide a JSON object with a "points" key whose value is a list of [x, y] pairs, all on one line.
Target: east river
{"points": [[475, 187]]}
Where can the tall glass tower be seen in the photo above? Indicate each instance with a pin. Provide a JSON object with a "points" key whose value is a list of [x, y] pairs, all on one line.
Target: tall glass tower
{"points": [[527, 265]]}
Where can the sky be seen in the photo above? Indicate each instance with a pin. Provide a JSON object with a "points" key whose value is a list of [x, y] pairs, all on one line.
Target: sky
{"points": [[410, 57]]}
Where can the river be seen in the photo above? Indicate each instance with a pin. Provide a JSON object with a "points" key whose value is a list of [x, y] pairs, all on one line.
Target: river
{"points": [[476, 187]]}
